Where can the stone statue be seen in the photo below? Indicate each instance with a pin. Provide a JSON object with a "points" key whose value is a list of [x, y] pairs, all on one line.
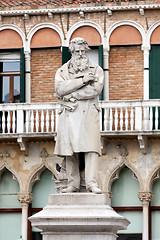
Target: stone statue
{"points": [[78, 84]]}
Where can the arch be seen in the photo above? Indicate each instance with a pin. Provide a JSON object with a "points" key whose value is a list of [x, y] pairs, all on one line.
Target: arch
{"points": [[42, 26], [154, 29], [45, 37], [35, 176], [87, 25], [155, 175], [132, 36], [115, 175], [125, 23], [15, 175], [11, 36]]}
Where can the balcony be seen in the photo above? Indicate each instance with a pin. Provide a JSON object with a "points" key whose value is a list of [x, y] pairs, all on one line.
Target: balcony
{"points": [[117, 118]]}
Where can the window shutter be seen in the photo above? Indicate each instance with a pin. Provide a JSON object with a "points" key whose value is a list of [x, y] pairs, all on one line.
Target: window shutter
{"points": [[22, 75], [66, 55], [100, 54]]}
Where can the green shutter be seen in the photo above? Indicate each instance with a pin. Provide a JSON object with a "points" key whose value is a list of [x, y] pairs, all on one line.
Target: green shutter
{"points": [[100, 54], [22, 75], [154, 72], [66, 55], [154, 77]]}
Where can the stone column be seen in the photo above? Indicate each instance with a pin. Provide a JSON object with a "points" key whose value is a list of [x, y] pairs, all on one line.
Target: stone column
{"points": [[25, 199], [106, 73], [146, 72], [28, 76], [145, 198]]}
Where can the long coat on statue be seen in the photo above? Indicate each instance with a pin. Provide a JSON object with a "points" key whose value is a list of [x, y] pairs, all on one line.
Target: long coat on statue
{"points": [[78, 126]]}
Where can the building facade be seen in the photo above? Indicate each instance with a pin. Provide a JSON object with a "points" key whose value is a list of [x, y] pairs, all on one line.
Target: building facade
{"points": [[124, 37]]}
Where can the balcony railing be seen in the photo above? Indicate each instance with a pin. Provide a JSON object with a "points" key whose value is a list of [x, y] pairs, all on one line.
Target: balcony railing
{"points": [[116, 117], [130, 116]]}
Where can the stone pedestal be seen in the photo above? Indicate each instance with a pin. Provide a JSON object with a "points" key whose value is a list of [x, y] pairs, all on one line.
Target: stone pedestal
{"points": [[77, 216]]}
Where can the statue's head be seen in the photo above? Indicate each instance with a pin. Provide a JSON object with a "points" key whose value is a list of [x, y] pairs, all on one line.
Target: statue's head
{"points": [[78, 46]]}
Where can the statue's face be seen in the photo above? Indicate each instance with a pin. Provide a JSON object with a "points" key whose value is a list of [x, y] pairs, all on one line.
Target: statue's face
{"points": [[79, 51]]}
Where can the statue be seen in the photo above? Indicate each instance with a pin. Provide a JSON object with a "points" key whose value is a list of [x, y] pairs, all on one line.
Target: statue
{"points": [[78, 84]]}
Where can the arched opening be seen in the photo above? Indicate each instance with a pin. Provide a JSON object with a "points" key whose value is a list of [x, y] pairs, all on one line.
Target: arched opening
{"points": [[12, 81], [46, 58], [10, 208], [126, 83], [40, 190], [155, 210], [125, 201]]}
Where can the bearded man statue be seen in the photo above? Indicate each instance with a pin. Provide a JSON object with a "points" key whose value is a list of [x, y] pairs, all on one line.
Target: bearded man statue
{"points": [[78, 84]]}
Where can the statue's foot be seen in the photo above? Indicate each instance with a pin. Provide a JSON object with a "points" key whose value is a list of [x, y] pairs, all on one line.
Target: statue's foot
{"points": [[70, 189], [95, 190]]}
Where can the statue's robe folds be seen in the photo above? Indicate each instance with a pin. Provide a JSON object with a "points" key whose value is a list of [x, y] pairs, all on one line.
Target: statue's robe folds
{"points": [[78, 126]]}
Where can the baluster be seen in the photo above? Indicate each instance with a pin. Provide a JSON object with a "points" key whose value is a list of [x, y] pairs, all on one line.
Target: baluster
{"points": [[111, 119], [8, 121], [42, 121], [156, 119], [146, 118], [132, 119], [126, 119], [116, 119], [47, 121], [3, 121], [57, 119], [100, 117], [121, 119], [37, 121], [105, 118], [14, 122], [52, 121], [27, 121], [151, 118], [32, 121]]}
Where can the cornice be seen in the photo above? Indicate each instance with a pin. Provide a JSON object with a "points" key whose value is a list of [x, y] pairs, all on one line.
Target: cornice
{"points": [[78, 9]]}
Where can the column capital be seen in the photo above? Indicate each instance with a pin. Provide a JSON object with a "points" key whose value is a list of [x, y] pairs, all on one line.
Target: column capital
{"points": [[146, 48], [105, 51], [145, 197], [25, 197]]}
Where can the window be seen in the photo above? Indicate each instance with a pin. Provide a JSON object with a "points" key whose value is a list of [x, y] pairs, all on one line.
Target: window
{"points": [[40, 199], [155, 211], [125, 201], [10, 82], [12, 76], [10, 208]]}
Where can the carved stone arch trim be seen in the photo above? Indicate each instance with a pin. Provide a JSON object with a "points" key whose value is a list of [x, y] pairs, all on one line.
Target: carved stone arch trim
{"points": [[83, 24], [15, 175], [115, 175], [42, 26], [123, 23], [35, 176], [151, 30], [155, 175], [16, 29]]}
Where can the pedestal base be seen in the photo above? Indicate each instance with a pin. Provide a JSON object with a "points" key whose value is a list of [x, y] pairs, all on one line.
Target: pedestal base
{"points": [[79, 236], [77, 216]]}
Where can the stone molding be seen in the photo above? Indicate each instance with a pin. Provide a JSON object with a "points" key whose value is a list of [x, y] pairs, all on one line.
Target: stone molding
{"points": [[145, 197], [25, 197], [78, 9]]}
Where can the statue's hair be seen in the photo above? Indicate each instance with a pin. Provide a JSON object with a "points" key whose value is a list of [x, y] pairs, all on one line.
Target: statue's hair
{"points": [[78, 41]]}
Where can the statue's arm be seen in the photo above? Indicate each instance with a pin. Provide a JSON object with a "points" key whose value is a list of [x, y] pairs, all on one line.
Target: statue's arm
{"points": [[91, 90], [64, 87]]}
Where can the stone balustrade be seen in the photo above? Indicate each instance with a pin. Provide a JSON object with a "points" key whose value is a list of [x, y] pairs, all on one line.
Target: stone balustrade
{"points": [[116, 117]]}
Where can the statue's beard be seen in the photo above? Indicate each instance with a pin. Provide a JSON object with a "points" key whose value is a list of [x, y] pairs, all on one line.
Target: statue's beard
{"points": [[79, 63]]}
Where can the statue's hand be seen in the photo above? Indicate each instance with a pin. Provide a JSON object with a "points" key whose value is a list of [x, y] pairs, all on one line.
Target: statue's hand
{"points": [[69, 98], [88, 78]]}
